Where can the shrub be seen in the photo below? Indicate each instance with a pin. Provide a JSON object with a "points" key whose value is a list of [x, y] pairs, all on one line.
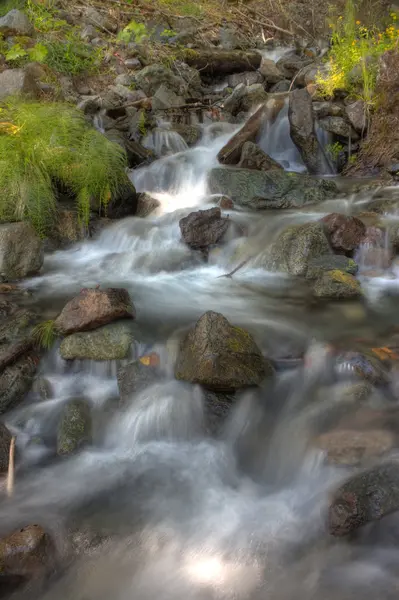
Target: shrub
{"points": [[43, 146]]}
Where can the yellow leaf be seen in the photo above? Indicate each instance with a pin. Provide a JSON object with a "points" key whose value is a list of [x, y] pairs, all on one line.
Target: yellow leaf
{"points": [[150, 360], [385, 353]]}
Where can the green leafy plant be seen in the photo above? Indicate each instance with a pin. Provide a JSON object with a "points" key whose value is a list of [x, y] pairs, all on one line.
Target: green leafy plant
{"points": [[334, 150], [142, 123], [44, 147], [18, 54], [8, 5], [44, 334], [168, 33], [133, 32], [44, 17], [72, 57]]}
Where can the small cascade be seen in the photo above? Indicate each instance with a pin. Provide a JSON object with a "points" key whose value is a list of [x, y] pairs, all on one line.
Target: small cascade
{"points": [[325, 138], [163, 141], [98, 120]]}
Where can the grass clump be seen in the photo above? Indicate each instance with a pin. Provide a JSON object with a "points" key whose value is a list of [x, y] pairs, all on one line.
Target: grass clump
{"points": [[44, 334], [353, 58], [45, 147]]}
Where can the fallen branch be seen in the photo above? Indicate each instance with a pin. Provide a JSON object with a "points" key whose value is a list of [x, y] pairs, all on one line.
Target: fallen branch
{"points": [[10, 474], [242, 264], [269, 24]]}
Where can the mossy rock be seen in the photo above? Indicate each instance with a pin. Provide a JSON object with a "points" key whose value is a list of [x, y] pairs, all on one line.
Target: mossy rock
{"points": [[337, 284], [111, 342], [75, 427], [134, 377], [330, 262]]}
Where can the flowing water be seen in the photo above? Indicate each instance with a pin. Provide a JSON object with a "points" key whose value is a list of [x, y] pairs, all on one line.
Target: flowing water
{"points": [[157, 508]]}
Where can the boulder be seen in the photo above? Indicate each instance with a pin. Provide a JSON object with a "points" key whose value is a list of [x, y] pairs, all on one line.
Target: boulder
{"points": [[291, 64], [203, 228], [300, 114], [363, 498], [357, 115], [189, 75], [344, 233], [15, 22], [351, 448], [151, 78], [220, 357], [338, 126], [146, 205], [25, 554], [327, 109], [191, 134], [247, 78], [330, 262], [93, 308], [217, 407], [226, 203], [136, 376], [14, 82], [16, 380], [337, 284], [165, 98], [97, 19], [5, 441], [110, 342], [221, 62], [281, 87], [253, 157], [21, 251], [269, 189], [123, 202], [245, 98], [270, 71], [294, 249], [74, 427], [230, 154]]}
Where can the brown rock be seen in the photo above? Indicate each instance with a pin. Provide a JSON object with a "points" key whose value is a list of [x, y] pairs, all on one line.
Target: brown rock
{"points": [[253, 157], [374, 236], [25, 553], [302, 130], [5, 441], [230, 154], [146, 205], [344, 233], [356, 113], [349, 447], [93, 308], [226, 203], [203, 228], [270, 71]]}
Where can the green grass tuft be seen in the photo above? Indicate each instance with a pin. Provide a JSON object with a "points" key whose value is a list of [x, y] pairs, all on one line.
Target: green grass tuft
{"points": [[45, 334]]}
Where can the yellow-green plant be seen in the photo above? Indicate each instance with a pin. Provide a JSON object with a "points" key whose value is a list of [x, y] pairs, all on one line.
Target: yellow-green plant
{"points": [[44, 334], [133, 32], [45, 146]]}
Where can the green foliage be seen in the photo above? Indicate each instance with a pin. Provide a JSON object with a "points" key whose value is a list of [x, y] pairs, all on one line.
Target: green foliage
{"points": [[72, 57], [44, 18], [18, 54], [133, 32], [142, 123], [7, 5], [185, 8], [334, 150], [168, 33], [353, 59], [44, 145], [45, 334]]}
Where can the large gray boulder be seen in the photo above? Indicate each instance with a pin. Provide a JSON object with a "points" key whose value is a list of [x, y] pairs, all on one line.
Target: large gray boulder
{"points": [[219, 356], [21, 250], [151, 78], [270, 71], [203, 228], [14, 82], [337, 284], [15, 22], [338, 126], [269, 189], [300, 114], [111, 342], [74, 427]]}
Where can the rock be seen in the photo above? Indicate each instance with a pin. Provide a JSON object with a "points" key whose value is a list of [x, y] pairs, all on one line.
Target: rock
{"points": [[300, 114], [270, 71], [88, 33], [14, 82], [152, 77], [327, 109], [294, 248], [123, 202], [247, 78], [225, 203], [245, 98], [132, 63], [25, 554], [337, 284], [191, 134], [16, 380], [68, 228], [356, 113], [220, 356], [344, 233], [124, 79], [269, 189], [330, 262], [281, 87], [374, 236], [364, 366], [165, 98], [124, 93], [252, 157], [21, 251], [291, 64], [363, 498], [136, 376], [217, 408], [230, 154], [203, 228], [94, 17], [74, 428], [93, 308], [110, 342], [5, 441], [221, 62], [351, 447], [15, 22], [338, 126], [146, 205]]}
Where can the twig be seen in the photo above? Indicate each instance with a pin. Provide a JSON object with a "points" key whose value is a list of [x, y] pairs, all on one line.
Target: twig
{"points": [[242, 264], [10, 474], [270, 23], [295, 77]]}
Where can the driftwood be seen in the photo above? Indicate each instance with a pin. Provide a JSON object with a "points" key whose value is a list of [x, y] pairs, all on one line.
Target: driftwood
{"points": [[221, 62], [230, 154]]}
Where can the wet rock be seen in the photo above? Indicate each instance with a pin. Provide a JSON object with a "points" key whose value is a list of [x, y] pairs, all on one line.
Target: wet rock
{"points": [[247, 78], [220, 356], [231, 153], [16, 380], [124, 93], [300, 114], [17, 324], [165, 98], [344, 233], [270, 71], [281, 87], [221, 62], [21, 250], [294, 248], [68, 228], [252, 157], [74, 428], [351, 447], [5, 441], [111, 342], [291, 64], [338, 126], [146, 205], [217, 408], [93, 308], [136, 376], [151, 78], [203, 228], [25, 554], [244, 98], [14, 82], [356, 113], [364, 498], [191, 134], [364, 366], [226, 203], [327, 109], [15, 22], [269, 189], [337, 284], [330, 262]]}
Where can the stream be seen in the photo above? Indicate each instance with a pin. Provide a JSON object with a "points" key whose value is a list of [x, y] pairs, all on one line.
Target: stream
{"points": [[157, 508]]}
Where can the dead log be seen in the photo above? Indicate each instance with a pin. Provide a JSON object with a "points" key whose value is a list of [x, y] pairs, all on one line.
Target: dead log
{"points": [[221, 62], [230, 154]]}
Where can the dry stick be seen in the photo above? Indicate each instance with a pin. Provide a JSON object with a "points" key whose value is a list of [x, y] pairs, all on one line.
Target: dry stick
{"points": [[242, 264], [10, 474], [270, 24], [294, 79]]}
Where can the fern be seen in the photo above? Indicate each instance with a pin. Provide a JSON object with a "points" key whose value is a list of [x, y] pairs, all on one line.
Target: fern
{"points": [[45, 334], [43, 146]]}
